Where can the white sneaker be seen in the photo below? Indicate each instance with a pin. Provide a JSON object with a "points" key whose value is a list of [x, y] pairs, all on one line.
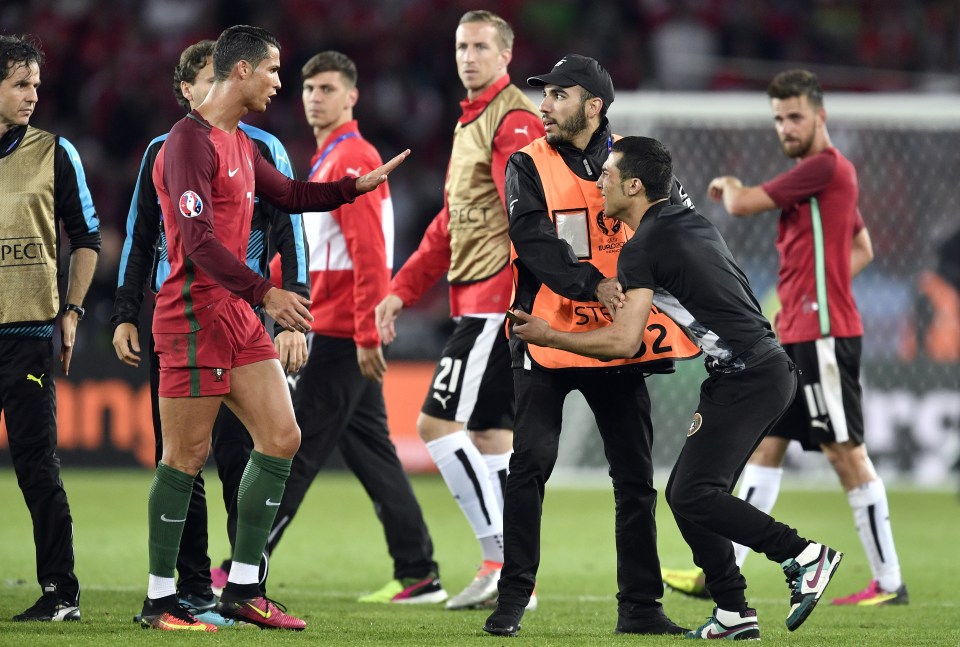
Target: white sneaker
{"points": [[808, 575], [481, 590], [728, 625]]}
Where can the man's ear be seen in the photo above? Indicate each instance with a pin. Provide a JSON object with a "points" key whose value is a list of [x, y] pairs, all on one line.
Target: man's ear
{"points": [[635, 186], [595, 106], [505, 56]]}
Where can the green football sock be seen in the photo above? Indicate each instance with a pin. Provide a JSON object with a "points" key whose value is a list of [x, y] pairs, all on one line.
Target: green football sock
{"points": [[166, 512], [258, 497]]}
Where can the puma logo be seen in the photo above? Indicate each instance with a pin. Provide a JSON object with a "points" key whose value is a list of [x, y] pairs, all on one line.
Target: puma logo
{"points": [[233, 172], [441, 399], [820, 424], [355, 172], [521, 131], [38, 380]]}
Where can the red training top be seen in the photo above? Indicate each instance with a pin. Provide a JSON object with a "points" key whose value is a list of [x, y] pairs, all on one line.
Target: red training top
{"points": [[819, 219], [351, 248]]}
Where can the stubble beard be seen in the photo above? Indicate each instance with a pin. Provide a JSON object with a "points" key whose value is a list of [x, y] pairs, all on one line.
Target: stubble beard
{"points": [[570, 128], [800, 149]]}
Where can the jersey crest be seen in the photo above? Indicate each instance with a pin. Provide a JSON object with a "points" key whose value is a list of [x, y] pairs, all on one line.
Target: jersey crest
{"points": [[191, 205]]}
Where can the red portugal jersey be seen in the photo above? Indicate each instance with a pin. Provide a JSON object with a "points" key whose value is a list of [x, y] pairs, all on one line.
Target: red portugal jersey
{"points": [[206, 179], [819, 218]]}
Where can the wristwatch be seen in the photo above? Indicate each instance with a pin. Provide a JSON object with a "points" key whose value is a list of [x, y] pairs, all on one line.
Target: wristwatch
{"points": [[72, 307]]}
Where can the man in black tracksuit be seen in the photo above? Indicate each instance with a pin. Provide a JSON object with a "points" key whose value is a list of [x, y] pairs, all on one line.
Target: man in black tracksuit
{"points": [[678, 263]]}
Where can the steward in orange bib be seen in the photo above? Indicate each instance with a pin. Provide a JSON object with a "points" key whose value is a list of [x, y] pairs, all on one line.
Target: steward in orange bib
{"points": [[565, 264]]}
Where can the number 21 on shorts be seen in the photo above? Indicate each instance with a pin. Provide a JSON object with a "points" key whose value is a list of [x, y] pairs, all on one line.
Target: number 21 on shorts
{"points": [[448, 375]]}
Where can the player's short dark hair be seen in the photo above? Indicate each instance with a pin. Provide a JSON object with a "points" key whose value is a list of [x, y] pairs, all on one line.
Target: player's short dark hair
{"points": [[17, 51], [241, 43], [192, 60], [797, 83], [504, 30], [331, 61], [649, 161]]}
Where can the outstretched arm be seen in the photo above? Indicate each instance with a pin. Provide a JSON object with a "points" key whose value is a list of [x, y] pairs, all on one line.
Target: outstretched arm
{"points": [[739, 200]]}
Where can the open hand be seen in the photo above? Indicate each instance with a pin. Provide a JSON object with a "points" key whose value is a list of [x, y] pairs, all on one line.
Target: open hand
{"points": [[376, 177]]}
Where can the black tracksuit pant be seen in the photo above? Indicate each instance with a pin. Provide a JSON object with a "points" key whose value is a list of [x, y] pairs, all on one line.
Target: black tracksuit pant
{"points": [[28, 399], [735, 412], [621, 406]]}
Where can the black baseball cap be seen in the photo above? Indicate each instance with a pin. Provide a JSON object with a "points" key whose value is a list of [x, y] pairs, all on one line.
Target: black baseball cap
{"points": [[574, 69]]}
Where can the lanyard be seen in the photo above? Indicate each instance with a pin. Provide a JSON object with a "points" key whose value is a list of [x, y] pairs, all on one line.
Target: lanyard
{"points": [[327, 151]]}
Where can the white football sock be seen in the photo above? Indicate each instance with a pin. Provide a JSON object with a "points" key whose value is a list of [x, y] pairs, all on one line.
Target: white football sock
{"points": [[760, 487], [492, 548], [468, 478], [871, 516], [499, 466], [241, 573], [160, 587]]}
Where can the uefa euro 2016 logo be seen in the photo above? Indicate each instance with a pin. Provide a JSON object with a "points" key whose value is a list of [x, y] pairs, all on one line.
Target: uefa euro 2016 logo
{"points": [[190, 204], [607, 231]]}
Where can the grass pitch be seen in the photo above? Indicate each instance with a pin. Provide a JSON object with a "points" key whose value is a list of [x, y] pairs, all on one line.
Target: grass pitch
{"points": [[335, 552]]}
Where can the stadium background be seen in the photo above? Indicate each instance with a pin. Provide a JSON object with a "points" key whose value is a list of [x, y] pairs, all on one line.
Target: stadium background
{"points": [[690, 73]]}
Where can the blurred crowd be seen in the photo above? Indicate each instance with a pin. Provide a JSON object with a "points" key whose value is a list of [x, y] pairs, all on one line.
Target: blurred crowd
{"points": [[107, 79]]}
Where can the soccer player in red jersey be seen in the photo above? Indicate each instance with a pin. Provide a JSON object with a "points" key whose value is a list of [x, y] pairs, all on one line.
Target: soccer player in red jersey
{"points": [[823, 243], [212, 347]]}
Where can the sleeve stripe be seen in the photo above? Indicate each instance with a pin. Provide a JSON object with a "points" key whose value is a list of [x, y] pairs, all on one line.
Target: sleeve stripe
{"points": [[86, 200], [296, 221], [132, 216]]}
